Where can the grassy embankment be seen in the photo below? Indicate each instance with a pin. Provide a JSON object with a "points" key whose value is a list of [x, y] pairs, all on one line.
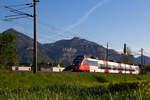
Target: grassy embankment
{"points": [[73, 86]]}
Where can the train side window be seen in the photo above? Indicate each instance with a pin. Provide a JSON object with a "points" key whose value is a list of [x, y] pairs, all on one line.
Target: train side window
{"points": [[109, 66], [103, 66], [114, 68], [92, 63], [120, 68], [136, 68], [126, 69], [131, 69]]}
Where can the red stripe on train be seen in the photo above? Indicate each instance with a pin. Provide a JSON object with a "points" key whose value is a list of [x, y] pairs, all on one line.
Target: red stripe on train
{"points": [[84, 67], [120, 71], [106, 71], [130, 72], [139, 72]]}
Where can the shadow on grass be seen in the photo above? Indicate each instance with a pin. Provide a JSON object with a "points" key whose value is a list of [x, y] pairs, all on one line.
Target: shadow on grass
{"points": [[138, 78], [100, 79]]}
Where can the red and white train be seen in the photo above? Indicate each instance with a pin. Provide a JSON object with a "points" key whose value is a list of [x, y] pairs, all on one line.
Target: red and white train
{"points": [[82, 63]]}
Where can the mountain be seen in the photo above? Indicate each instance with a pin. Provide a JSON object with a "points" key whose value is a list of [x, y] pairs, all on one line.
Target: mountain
{"points": [[146, 59], [24, 44], [63, 50], [66, 50]]}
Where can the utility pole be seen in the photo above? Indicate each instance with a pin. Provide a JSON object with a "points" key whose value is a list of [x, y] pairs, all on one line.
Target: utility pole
{"points": [[107, 53], [125, 49], [142, 57], [21, 14], [124, 55], [35, 36]]}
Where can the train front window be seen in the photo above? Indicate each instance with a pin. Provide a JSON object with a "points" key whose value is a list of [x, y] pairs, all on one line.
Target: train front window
{"points": [[79, 57], [90, 63], [78, 60], [85, 62]]}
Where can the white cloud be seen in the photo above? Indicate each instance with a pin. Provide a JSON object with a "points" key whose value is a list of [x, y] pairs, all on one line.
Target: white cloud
{"points": [[65, 38], [120, 51]]}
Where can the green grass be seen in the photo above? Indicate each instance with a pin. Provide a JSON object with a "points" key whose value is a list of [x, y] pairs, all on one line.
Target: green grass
{"points": [[121, 91], [26, 80], [73, 86]]}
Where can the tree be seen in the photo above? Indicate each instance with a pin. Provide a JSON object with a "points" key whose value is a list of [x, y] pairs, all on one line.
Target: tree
{"points": [[128, 57], [7, 50], [62, 64], [146, 69]]}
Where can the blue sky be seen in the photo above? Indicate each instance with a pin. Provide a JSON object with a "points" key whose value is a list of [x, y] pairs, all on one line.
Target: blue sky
{"points": [[101, 21]]}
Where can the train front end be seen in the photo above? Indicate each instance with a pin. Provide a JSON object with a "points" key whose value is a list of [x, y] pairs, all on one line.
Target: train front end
{"points": [[78, 64]]}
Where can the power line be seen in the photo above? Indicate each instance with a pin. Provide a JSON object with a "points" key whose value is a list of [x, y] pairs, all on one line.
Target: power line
{"points": [[26, 4], [25, 7], [19, 13], [55, 34], [44, 36], [59, 29]]}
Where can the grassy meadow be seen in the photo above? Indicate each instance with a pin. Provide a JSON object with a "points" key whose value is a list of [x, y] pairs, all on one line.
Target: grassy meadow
{"points": [[73, 86]]}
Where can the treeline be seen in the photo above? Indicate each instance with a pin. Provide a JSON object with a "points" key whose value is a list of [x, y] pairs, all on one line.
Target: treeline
{"points": [[41, 64], [146, 69]]}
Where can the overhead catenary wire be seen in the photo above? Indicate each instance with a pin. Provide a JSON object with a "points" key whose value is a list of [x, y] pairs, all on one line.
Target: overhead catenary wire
{"points": [[20, 5], [44, 26], [25, 7], [22, 24], [70, 32], [67, 33], [9, 19], [18, 11], [54, 35], [50, 30], [13, 15]]}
